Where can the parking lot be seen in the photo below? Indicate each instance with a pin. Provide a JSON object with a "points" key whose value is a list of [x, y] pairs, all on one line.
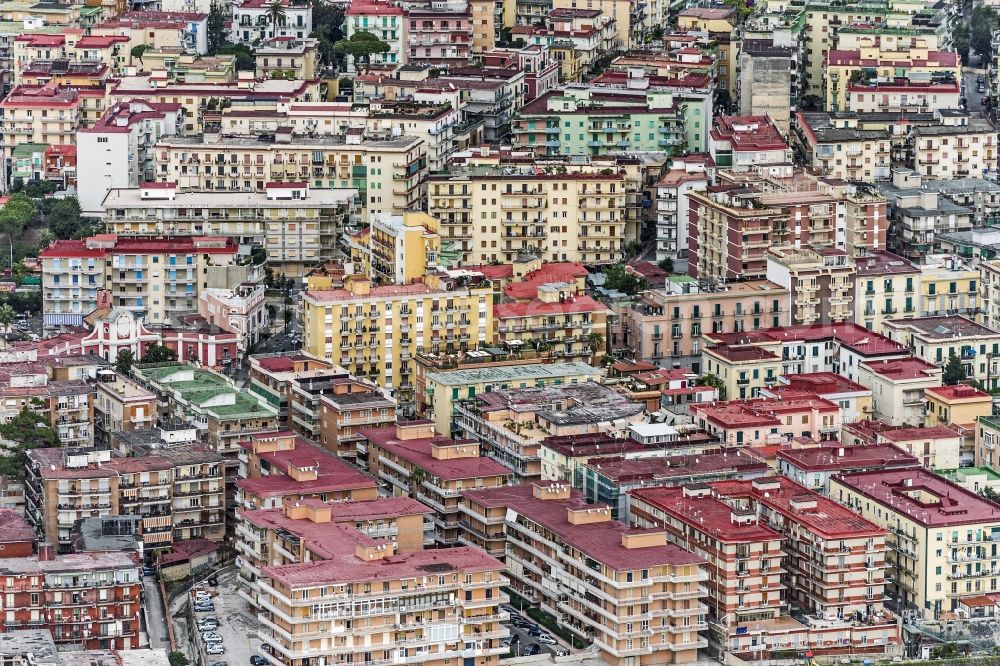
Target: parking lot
{"points": [[520, 638], [238, 628]]}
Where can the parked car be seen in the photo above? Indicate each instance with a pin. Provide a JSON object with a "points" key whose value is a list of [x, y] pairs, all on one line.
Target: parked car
{"points": [[504, 642], [201, 595], [220, 663], [204, 608], [547, 639], [521, 623], [215, 648], [213, 580], [211, 637], [257, 660], [531, 649], [535, 631], [208, 624]]}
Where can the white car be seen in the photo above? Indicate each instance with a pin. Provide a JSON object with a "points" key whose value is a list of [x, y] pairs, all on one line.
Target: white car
{"points": [[211, 637], [215, 648], [201, 595], [547, 640]]}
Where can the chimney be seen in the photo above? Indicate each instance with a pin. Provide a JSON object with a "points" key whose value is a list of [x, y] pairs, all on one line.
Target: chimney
{"points": [[46, 553]]}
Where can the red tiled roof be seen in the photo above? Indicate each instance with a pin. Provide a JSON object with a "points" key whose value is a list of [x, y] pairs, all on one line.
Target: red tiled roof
{"points": [[332, 473], [916, 434], [707, 515], [958, 392], [14, 528], [181, 551], [180, 245], [538, 307], [909, 367], [762, 411], [418, 452]]}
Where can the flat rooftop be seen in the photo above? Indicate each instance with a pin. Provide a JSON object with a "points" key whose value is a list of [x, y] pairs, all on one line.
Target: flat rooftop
{"points": [[132, 198], [947, 327], [512, 373], [601, 541], [677, 469], [565, 404], [924, 497], [708, 515], [419, 452], [848, 458]]}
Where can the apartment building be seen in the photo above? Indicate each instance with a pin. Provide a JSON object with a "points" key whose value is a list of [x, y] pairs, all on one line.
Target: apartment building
{"points": [[120, 405], [686, 174], [949, 286], [573, 327], [400, 249], [350, 406], [921, 216], [937, 447], [412, 459], [745, 143], [291, 58], [960, 404], [381, 329], [461, 586], [298, 226], [387, 22], [178, 493], [847, 145], [306, 396], [813, 467], [241, 310], [764, 422], [512, 423], [440, 34], [683, 309], [442, 391], [789, 212], [117, 151], [271, 377], [225, 415], [388, 173], [939, 535], [967, 148], [48, 115], [882, 65], [936, 339], [898, 387], [92, 600], [753, 543], [744, 369], [902, 96], [629, 591], [854, 399], [300, 532], [987, 438], [886, 285], [252, 25], [820, 282], [151, 277], [280, 468], [535, 214]]}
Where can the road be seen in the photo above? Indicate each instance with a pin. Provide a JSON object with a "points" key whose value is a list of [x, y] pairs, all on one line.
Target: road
{"points": [[156, 623], [974, 99]]}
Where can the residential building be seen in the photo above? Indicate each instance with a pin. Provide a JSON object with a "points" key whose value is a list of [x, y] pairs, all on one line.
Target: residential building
{"points": [[848, 145], [612, 482], [966, 148], [67, 405], [117, 151], [854, 399], [439, 33], [686, 174], [886, 284], [153, 278], [187, 27], [949, 286], [300, 532], [574, 327], [466, 623], [401, 248], [684, 308], [744, 369], [745, 143], [564, 457], [936, 339], [937, 447], [903, 96], [120, 405], [752, 540], [252, 25], [437, 316], [552, 535], [332, 162], [91, 600], [442, 391], [814, 466], [225, 415], [880, 65], [532, 207], [959, 403], [512, 423], [898, 387], [280, 468], [762, 422], [292, 58], [388, 23], [272, 375], [930, 574], [241, 310], [767, 81], [48, 115], [297, 225], [412, 459], [347, 408], [819, 280], [987, 438]]}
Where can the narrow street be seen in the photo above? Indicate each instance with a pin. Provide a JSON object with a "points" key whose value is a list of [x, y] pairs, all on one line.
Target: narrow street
{"points": [[156, 623]]}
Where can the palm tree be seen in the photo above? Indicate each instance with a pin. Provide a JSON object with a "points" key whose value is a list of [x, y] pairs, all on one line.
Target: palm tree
{"points": [[596, 342], [275, 12], [6, 316]]}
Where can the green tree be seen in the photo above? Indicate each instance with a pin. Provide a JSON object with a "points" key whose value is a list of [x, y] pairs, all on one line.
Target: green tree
{"points": [[667, 264], [595, 342], [7, 315], [123, 364], [16, 215], [28, 430], [328, 28], [275, 14], [216, 29], [177, 658], [138, 50], [158, 354], [616, 278], [954, 371], [990, 494], [45, 239], [361, 46], [984, 22], [715, 382], [945, 651], [64, 219]]}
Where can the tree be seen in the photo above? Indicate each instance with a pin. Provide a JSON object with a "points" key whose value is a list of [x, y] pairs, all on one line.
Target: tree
{"points": [[713, 381], [276, 14], [990, 494], [328, 21], [616, 278], [15, 216], [64, 219], [158, 354], [28, 430], [138, 50], [945, 651], [216, 29], [7, 315], [361, 46], [45, 239], [123, 365], [984, 22], [667, 264], [595, 342], [177, 658], [954, 371]]}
